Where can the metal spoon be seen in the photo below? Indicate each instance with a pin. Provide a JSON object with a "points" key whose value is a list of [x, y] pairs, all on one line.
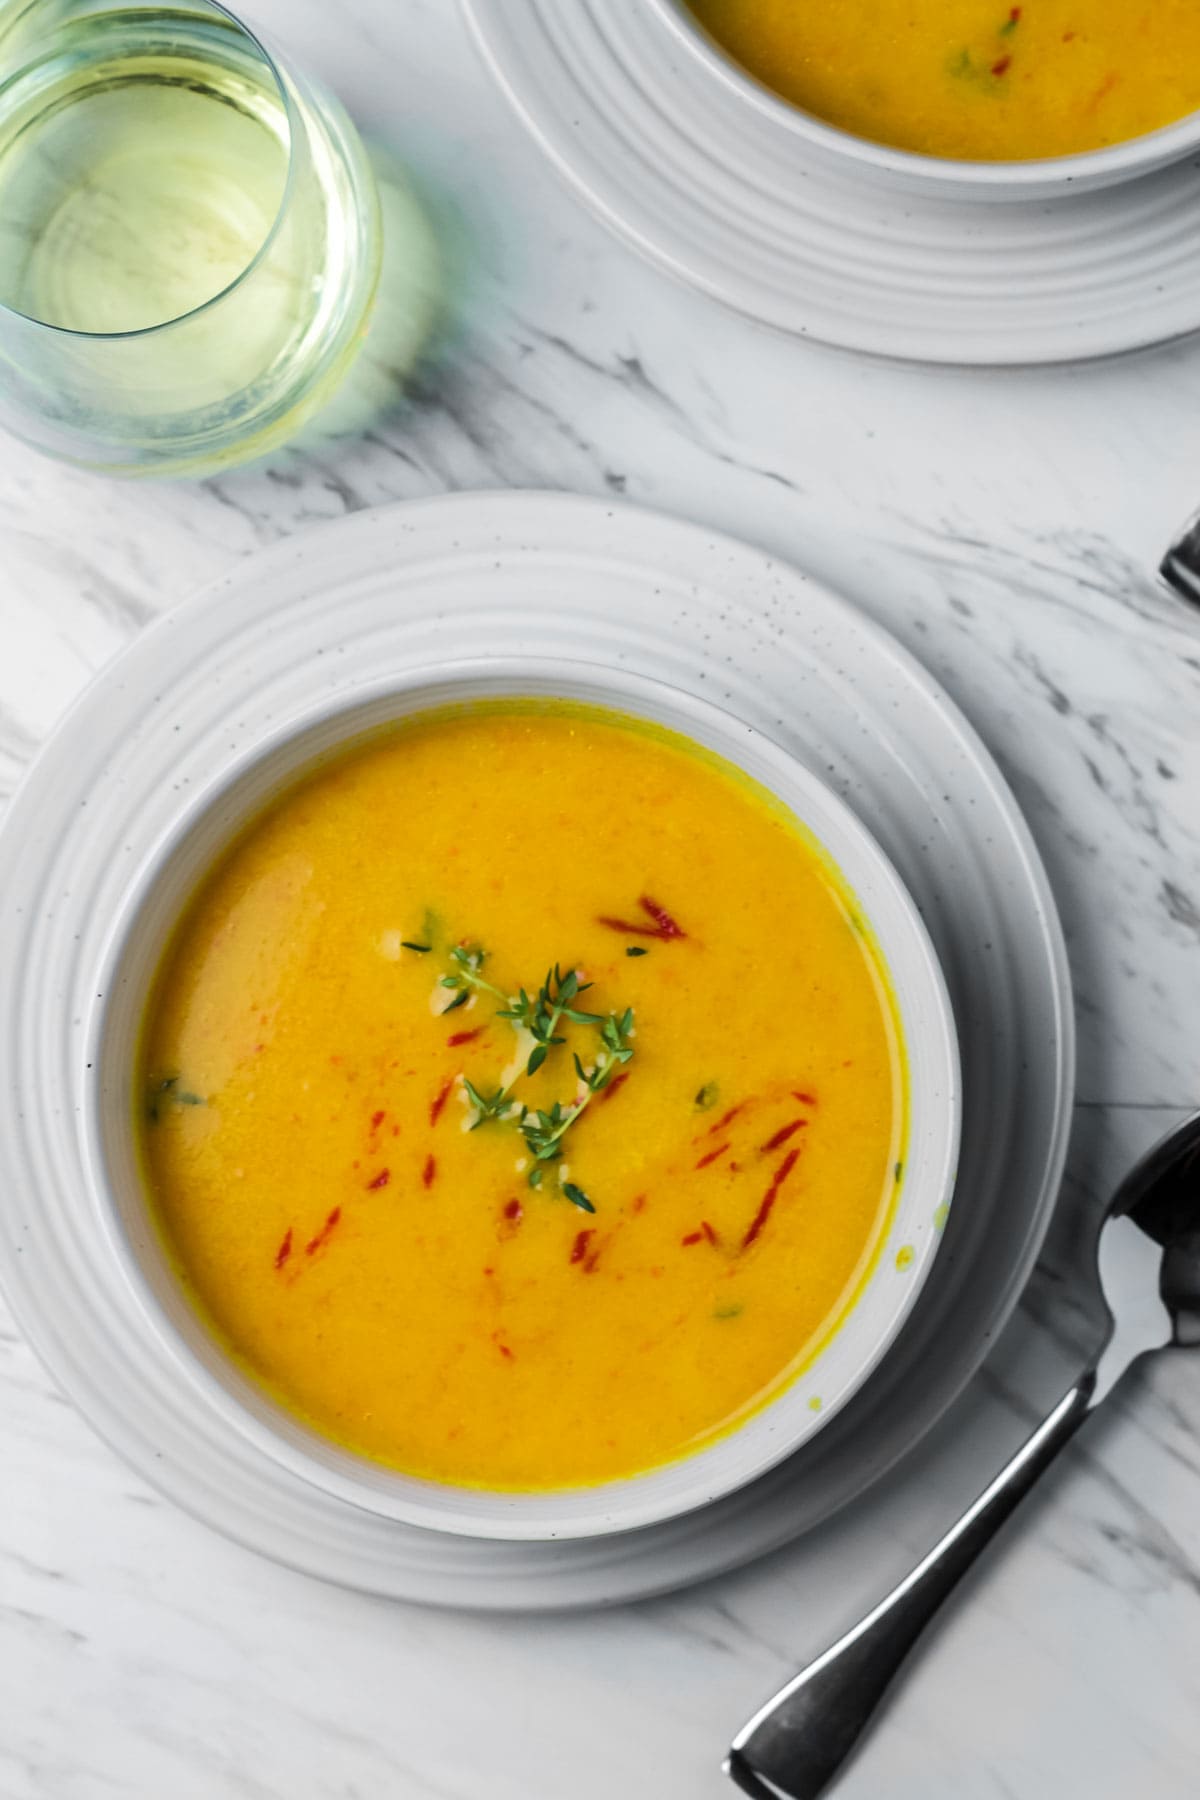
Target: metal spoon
{"points": [[797, 1744], [1180, 567]]}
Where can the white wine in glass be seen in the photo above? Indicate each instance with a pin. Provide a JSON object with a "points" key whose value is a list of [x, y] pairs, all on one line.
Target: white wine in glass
{"points": [[189, 236]]}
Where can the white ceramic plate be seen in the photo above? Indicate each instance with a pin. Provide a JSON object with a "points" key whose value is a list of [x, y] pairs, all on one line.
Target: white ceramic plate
{"points": [[678, 161], [906, 1255], [327, 617]]}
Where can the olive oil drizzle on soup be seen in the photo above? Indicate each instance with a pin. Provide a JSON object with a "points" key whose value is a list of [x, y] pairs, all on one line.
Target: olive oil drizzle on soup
{"points": [[973, 79], [363, 1172]]}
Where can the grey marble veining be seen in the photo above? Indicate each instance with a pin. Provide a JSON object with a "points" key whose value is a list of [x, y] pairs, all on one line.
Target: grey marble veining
{"points": [[1005, 528]]}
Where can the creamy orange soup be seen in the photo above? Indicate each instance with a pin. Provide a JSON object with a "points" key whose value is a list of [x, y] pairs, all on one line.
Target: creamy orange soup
{"points": [[440, 1235], [973, 78]]}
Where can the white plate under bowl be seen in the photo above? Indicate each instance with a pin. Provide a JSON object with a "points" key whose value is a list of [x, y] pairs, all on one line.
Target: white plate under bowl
{"points": [[168, 878], [326, 617], [679, 161]]}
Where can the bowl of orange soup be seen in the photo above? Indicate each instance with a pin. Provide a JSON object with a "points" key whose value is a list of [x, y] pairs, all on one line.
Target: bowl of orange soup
{"points": [[975, 96], [526, 1101]]}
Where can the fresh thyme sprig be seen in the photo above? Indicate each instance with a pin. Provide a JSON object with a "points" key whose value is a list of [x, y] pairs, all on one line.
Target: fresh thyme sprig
{"points": [[166, 1091], [470, 959], [544, 1131], [541, 1017], [488, 1106]]}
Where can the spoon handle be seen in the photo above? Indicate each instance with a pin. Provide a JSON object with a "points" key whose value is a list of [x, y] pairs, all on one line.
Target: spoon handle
{"points": [[1180, 567], [797, 1744]]}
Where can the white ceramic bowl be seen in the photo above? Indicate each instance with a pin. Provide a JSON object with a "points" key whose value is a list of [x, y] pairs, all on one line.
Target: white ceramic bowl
{"points": [[1038, 178], [155, 900]]}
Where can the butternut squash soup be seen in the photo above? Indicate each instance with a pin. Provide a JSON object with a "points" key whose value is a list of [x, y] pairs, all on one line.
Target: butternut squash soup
{"points": [[523, 1098], [973, 79]]}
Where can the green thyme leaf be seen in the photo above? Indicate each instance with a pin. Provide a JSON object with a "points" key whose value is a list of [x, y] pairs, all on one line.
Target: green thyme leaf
{"points": [[636, 950], [577, 1197], [708, 1096]]}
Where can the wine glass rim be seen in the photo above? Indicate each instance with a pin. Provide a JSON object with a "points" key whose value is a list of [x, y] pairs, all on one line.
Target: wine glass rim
{"points": [[293, 124]]}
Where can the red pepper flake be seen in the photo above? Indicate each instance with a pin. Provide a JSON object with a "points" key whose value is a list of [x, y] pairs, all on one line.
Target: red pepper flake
{"points": [[698, 1237], [514, 1210], [284, 1250], [436, 1108], [663, 926], [725, 1118], [505, 1351], [579, 1248], [326, 1231], [381, 1180], [1003, 66], [465, 1037], [782, 1135], [429, 1171], [376, 1120], [639, 1203], [808, 1099], [764, 1212], [618, 1081], [589, 1267], [712, 1156], [1015, 16], [667, 926]]}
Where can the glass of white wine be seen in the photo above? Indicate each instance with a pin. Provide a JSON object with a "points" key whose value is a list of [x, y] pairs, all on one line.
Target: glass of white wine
{"points": [[189, 236]]}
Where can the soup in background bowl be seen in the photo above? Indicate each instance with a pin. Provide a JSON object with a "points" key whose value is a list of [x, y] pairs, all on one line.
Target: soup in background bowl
{"points": [[521, 1116], [1011, 98]]}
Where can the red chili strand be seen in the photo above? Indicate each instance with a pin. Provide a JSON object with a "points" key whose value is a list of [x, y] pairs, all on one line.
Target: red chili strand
{"points": [[663, 927], [435, 1110], [284, 1250], [322, 1237], [712, 1236], [726, 1117], [429, 1171], [580, 1246], [693, 1237], [782, 1135], [764, 1212], [667, 926], [618, 1081], [513, 1210], [465, 1037], [376, 1120], [381, 1180], [808, 1099], [712, 1156]]}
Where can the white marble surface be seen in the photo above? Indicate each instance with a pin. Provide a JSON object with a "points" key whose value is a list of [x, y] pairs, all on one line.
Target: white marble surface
{"points": [[1003, 527]]}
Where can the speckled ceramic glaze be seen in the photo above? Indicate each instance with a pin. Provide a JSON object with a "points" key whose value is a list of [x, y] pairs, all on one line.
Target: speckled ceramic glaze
{"points": [[734, 191], [333, 623]]}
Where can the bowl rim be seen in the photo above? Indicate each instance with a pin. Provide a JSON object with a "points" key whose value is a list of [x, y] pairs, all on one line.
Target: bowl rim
{"points": [[1017, 176], [625, 1503]]}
